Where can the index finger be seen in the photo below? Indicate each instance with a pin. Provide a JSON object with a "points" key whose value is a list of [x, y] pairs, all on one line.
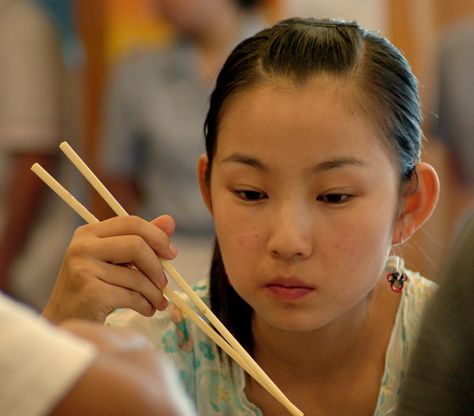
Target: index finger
{"points": [[158, 240]]}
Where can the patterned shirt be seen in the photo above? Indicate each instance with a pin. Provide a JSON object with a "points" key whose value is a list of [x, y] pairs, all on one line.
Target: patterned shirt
{"points": [[217, 388]]}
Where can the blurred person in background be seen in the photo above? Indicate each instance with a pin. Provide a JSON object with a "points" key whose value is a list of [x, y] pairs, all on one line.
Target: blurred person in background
{"points": [[37, 100], [453, 121], [30, 119], [155, 108], [440, 375], [81, 369], [449, 120]]}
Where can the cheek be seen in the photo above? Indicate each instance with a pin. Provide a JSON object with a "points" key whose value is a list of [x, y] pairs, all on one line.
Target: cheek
{"points": [[357, 240], [240, 239], [249, 240], [236, 228], [360, 247]]}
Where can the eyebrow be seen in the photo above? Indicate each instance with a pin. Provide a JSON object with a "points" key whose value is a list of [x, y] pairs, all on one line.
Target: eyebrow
{"points": [[337, 163], [244, 160], [319, 168]]}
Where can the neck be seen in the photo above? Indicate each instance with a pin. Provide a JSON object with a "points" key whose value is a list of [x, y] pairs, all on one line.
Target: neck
{"points": [[338, 348]]}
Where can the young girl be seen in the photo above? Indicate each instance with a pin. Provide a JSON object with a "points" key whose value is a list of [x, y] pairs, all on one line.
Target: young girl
{"points": [[313, 178]]}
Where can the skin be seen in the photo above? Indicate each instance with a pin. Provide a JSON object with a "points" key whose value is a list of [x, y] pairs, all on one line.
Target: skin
{"points": [[126, 377], [305, 199], [96, 276], [273, 210], [306, 204]]}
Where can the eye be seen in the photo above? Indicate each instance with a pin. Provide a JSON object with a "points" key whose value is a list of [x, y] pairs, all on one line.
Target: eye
{"points": [[251, 195], [334, 198]]}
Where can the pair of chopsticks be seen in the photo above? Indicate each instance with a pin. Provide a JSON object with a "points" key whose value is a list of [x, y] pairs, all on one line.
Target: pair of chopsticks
{"points": [[227, 341]]}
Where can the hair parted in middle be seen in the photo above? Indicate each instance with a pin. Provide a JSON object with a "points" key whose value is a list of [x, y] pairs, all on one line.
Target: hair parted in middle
{"points": [[296, 50]]}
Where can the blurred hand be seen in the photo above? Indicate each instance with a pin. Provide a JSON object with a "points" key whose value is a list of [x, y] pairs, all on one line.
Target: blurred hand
{"points": [[127, 377], [113, 264]]}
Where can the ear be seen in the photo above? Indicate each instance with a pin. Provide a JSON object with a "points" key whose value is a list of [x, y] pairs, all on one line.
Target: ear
{"points": [[418, 205], [204, 185]]}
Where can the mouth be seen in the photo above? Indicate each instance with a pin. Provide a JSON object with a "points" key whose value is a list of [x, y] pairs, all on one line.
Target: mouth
{"points": [[289, 289]]}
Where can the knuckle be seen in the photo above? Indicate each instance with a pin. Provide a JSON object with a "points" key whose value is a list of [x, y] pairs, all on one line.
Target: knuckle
{"points": [[91, 295], [140, 304], [81, 230], [135, 221], [136, 244], [75, 249], [82, 276], [78, 231], [81, 271], [96, 300], [136, 299], [136, 279]]}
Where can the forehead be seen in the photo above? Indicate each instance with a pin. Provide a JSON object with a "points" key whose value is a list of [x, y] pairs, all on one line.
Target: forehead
{"points": [[319, 115]]}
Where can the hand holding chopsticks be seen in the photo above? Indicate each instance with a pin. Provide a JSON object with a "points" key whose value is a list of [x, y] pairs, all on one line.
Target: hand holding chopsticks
{"points": [[130, 279]]}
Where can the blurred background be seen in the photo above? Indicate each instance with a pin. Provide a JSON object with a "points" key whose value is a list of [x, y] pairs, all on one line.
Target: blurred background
{"points": [[118, 78]]}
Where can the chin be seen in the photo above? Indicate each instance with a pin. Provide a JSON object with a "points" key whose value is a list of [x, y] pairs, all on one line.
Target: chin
{"points": [[296, 321]]}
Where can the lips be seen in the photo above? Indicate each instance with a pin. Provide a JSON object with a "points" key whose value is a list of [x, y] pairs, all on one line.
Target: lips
{"points": [[289, 288]]}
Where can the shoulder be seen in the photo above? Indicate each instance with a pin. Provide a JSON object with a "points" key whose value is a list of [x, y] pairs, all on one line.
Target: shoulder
{"points": [[416, 295], [214, 384], [419, 289], [195, 357], [170, 330], [34, 352]]}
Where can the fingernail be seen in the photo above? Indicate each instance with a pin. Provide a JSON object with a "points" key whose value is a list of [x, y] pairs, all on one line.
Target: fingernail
{"points": [[164, 304], [172, 250], [163, 281]]}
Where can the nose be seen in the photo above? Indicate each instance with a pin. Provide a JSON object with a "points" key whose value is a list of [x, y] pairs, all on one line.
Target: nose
{"points": [[291, 234]]}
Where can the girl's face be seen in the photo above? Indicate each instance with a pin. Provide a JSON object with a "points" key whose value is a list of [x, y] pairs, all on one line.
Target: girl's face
{"points": [[304, 196]]}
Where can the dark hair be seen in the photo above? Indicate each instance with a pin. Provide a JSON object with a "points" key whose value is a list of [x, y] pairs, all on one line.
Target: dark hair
{"points": [[248, 4], [296, 50]]}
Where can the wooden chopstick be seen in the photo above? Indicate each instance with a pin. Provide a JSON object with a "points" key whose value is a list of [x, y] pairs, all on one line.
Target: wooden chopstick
{"points": [[234, 350], [256, 371], [65, 195], [91, 219]]}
